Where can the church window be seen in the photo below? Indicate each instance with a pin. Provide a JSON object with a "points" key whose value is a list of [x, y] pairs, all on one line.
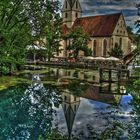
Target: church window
{"points": [[94, 47], [75, 108], [121, 23], [74, 98], [65, 107], [104, 47], [117, 31], [124, 32], [76, 15], [66, 5], [112, 41], [76, 4], [120, 42], [66, 15], [65, 98]]}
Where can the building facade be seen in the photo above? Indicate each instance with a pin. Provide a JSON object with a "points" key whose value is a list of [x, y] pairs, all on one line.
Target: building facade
{"points": [[106, 31]]}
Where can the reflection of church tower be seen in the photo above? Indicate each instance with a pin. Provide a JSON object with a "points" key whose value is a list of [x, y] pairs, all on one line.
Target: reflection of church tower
{"points": [[70, 11], [70, 106]]}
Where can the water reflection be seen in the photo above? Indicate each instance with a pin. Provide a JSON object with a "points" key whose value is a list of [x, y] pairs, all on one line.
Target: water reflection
{"points": [[100, 101], [87, 111], [70, 106], [27, 113], [87, 75]]}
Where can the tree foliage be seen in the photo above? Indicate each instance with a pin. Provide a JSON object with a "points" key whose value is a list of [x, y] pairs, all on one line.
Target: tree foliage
{"points": [[21, 23], [137, 23], [137, 39], [79, 41], [52, 33], [116, 51]]}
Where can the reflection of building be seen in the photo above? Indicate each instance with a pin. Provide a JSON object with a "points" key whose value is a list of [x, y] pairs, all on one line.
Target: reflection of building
{"points": [[107, 96], [90, 76], [106, 31], [70, 106], [71, 103]]}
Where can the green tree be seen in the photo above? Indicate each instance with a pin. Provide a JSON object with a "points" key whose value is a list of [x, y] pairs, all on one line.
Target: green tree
{"points": [[137, 38], [79, 41], [137, 23], [14, 35], [21, 23], [52, 34], [130, 30], [116, 51]]}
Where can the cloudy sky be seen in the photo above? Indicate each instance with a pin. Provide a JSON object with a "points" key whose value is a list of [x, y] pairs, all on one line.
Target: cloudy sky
{"points": [[95, 7]]}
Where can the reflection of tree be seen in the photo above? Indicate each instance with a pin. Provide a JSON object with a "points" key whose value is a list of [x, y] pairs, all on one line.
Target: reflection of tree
{"points": [[135, 127], [77, 87], [26, 115]]}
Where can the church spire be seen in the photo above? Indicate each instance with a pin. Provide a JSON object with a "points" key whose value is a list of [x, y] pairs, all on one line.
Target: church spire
{"points": [[71, 3], [70, 11]]}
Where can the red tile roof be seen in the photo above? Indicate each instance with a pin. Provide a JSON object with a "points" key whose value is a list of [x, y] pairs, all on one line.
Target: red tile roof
{"points": [[101, 25], [65, 29]]}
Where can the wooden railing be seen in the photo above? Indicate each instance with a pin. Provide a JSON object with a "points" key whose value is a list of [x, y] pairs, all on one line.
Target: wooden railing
{"points": [[129, 57]]}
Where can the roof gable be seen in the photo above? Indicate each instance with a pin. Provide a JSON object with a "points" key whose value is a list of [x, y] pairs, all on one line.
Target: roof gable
{"points": [[101, 25], [121, 28]]}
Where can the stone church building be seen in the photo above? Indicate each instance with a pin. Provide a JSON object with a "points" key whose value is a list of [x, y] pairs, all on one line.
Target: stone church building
{"points": [[105, 31]]}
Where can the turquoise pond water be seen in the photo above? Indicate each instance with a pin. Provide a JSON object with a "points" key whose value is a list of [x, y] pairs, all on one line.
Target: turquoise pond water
{"points": [[78, 109]]}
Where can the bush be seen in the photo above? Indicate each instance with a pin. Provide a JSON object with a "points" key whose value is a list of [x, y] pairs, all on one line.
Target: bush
{"points": [[4, 70]]}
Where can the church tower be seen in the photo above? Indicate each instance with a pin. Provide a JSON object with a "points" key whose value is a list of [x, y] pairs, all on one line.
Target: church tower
{"points": [[70, 11]]}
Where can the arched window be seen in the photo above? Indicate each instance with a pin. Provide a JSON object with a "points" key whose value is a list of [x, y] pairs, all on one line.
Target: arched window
{"points": [[76, 15], [112, 41], [76, 4], [104, 47], [121, 23], [66, 5], [66, 15], [65, 107], [94, 47], [74, 98], [120, 42], [75, 108]]}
